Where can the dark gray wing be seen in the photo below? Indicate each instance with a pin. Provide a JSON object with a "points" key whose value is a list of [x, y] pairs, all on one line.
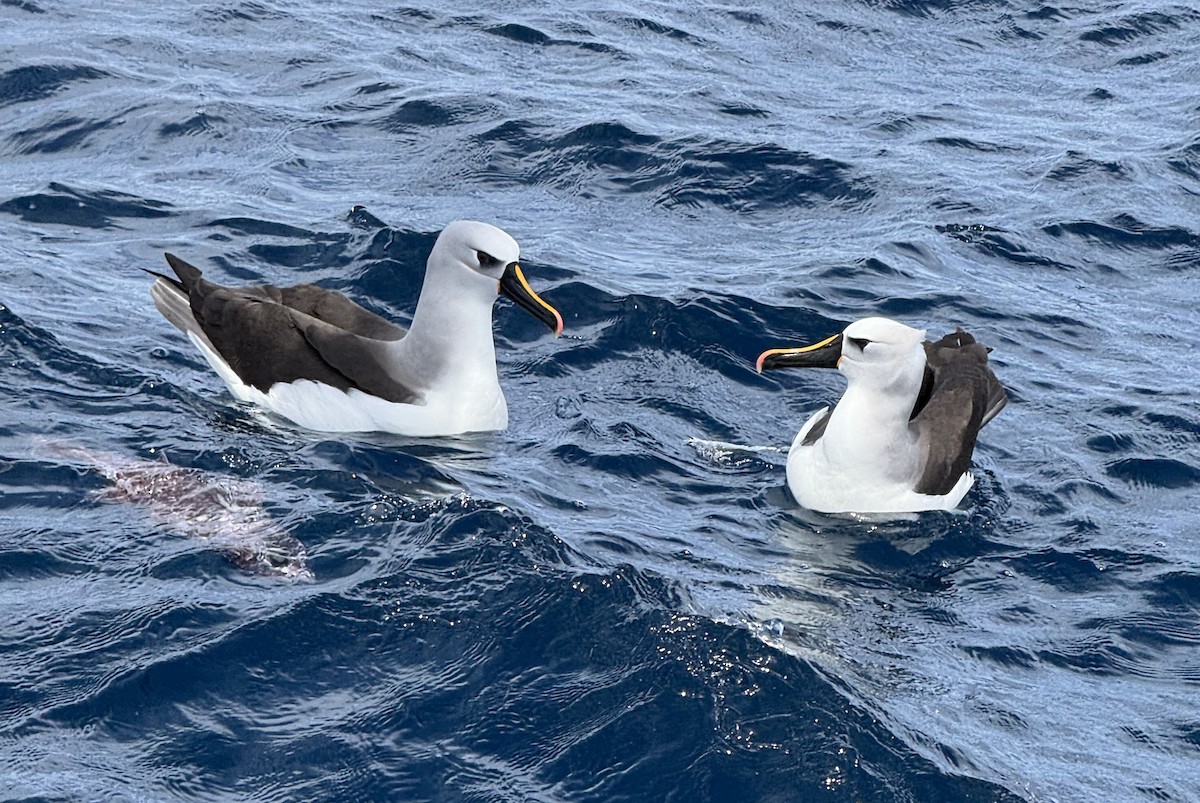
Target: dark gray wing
{"points": [[265, 341], [357, 358], [817, 429], [336, 309], [258, 338], [959, 396], [326, 305]]}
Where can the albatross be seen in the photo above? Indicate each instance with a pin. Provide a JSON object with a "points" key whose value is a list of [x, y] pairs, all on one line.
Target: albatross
{"points": [[326, 363], [901, 437]]}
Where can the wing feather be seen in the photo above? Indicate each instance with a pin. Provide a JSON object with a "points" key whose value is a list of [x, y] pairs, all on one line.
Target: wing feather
{"points": [[963, 396], [359, 359], [269, 334]]}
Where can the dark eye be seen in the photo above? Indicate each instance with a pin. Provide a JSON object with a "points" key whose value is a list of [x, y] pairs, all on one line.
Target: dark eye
{"points": [[859, 342], [486, 260]]}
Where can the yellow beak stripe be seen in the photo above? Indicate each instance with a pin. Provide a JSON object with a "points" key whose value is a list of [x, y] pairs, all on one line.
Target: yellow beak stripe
{"points": [[799, 350], [536, 299]]}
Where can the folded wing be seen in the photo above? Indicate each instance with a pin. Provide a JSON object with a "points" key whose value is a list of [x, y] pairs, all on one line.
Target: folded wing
{"points": [[269, 334], [960, 395]]}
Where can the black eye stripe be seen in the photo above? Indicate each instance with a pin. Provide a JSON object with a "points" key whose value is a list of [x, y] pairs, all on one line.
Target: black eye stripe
{"points": [[860, 342], [486, 260]]}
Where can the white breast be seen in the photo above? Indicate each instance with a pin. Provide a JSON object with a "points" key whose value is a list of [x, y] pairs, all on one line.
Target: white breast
{"points": [[822, 477]]}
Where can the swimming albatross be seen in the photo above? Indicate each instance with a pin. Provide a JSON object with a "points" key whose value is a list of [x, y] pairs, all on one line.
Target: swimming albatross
{"points": [[900, 439], [321, 360]]}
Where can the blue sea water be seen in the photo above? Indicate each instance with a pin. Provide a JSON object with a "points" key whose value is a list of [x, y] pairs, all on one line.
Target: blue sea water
{"points": [[615, 599]]}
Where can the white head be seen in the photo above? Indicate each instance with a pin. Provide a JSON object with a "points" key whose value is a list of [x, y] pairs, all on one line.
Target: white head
{"points": [[483, 250], [883, 354], [876, 354], [476, 259]]}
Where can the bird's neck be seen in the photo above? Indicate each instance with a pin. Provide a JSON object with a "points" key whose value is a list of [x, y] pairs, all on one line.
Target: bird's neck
{"points": [[879, 412], [871, 429], [885, 399], [451, 333]]}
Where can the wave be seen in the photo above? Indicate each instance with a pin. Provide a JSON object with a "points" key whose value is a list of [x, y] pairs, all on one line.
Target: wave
{"points": [[610, 157], [64, 205]]}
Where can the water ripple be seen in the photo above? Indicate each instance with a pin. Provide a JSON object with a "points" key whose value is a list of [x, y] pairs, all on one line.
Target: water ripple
{"points": [[675, 173], [37, 82], [67, 206]]}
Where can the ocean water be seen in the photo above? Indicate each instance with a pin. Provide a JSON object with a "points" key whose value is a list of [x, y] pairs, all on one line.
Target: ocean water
{"points": [[615, 599]]}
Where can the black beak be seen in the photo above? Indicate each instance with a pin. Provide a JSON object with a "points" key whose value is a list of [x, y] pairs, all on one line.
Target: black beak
{"points": [[826, 354], [514, 286]]}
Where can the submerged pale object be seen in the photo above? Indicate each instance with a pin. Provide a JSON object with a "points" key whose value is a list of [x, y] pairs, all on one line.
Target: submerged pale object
{"points": [[222, 512]]}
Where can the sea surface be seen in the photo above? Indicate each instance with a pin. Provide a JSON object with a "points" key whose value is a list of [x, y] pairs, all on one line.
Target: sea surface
{"points": [[615, 599]]}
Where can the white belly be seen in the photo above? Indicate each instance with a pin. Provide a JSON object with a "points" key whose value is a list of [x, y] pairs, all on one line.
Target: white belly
{"points": [[828, 485], [477, 407], [326, 409]]}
